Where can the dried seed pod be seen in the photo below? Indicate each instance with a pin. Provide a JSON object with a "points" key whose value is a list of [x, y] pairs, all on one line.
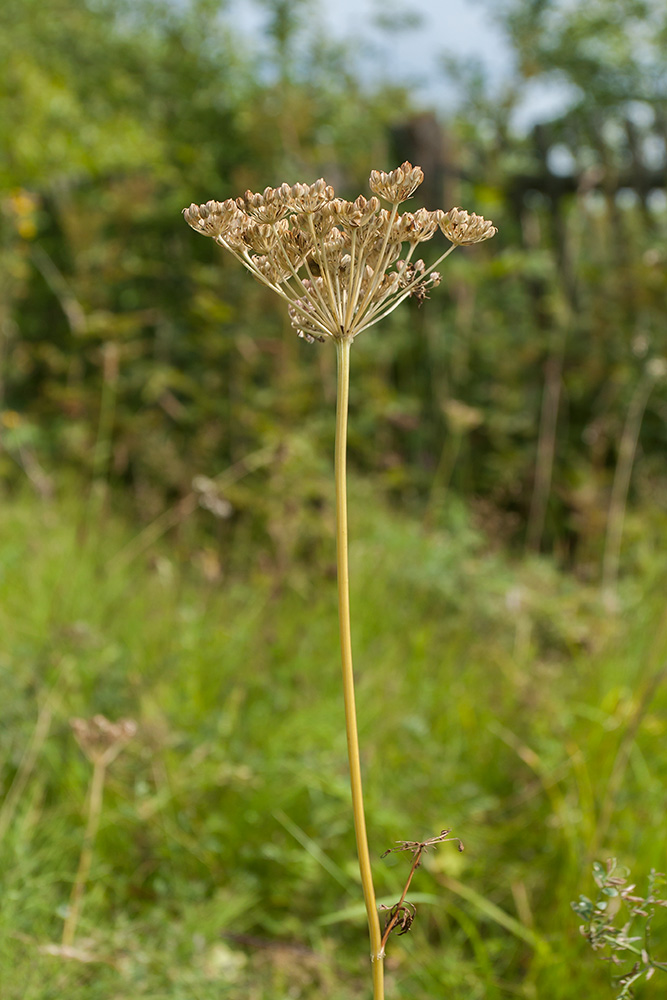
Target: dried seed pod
{"points": [[320, 222], [271, 269], [416, 228], [397, 186], [353, 214], [308, 198], [303, 319], [272, 205], [212, 219], [463, 228], [100, 739], [426, 225], [263, 238]]}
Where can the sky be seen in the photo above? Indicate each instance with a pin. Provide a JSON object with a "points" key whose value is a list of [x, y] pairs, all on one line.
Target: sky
{"points": [[412, 54]]}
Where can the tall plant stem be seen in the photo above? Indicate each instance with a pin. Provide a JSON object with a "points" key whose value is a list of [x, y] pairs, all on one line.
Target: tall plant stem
{"points": [[546, 448], [621, 485], [377, 951], [86, 858]]}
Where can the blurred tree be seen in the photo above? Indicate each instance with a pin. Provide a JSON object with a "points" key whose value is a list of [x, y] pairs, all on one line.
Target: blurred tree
{"points": [[584, 197], [113, 116], [136, 352]]}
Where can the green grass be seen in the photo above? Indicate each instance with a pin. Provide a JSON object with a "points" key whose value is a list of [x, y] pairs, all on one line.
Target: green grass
{"points": [[495, 697]]}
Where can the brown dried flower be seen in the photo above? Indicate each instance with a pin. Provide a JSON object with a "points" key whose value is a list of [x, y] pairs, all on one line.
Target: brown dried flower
{"points": [[100, 739], [270, 206], [309, 198], [464, 229], [340, 266], [397, 186], [213, 218], [352, 214]]}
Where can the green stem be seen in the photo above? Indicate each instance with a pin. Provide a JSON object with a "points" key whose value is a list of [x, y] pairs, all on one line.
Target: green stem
{"points": [[377, 952]]}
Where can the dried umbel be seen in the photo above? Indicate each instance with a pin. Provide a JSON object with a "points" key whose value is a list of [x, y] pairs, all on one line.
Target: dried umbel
{"points": [[397, 186], [463, 229], [340, 266], [100, 739]]}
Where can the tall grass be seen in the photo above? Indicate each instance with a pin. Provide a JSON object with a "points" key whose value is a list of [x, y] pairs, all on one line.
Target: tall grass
{"points": [[502, 699]]}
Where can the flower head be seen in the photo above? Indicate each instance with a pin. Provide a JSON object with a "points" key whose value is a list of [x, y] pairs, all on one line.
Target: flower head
{"points": [[268, 207], [100, 739], [340, 266], [397, 186], [463, 229]]}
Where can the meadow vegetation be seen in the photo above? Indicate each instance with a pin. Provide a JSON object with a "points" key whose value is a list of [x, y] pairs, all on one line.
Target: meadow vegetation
{"points": [[495, 697], [167, 518]]}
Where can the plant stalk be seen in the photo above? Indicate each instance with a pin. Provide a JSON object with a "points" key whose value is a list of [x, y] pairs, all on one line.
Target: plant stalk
{"points": [[611, 556], [343, 345], [86, 858]]}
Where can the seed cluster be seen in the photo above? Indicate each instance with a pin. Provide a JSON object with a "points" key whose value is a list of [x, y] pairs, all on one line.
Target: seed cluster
{"points": [[100, 739], [341, 266]]}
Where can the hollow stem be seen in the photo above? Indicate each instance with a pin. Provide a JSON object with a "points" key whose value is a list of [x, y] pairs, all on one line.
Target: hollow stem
{"points": [[377, 951]]}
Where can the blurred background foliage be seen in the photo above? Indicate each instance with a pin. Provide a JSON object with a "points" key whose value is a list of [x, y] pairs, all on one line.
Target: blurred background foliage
{"points": [[133, 351], [143, 372]]}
